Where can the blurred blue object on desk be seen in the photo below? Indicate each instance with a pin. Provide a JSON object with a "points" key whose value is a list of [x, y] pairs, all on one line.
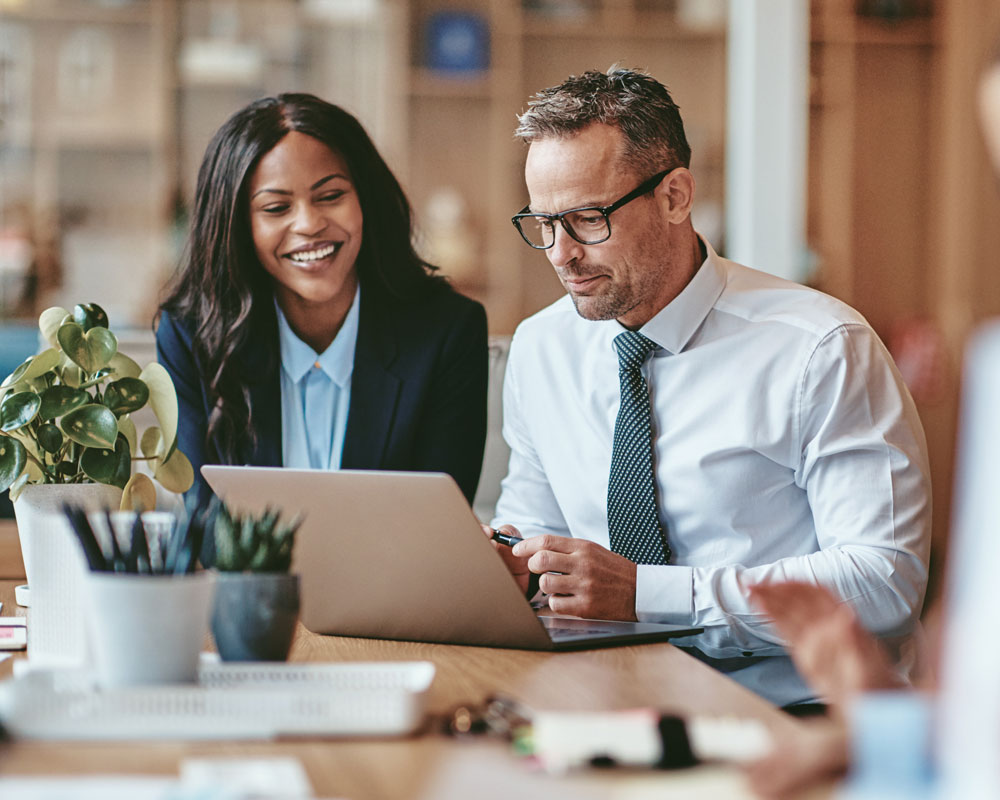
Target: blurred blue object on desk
{"points": [[18, 340], [457, 43]]}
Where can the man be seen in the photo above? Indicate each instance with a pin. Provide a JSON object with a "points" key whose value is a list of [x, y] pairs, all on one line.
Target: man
{"points": [[758, 430]]}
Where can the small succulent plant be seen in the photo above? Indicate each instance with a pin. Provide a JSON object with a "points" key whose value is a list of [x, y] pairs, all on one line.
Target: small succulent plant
{"points": [[174, 555], [253, 543]]}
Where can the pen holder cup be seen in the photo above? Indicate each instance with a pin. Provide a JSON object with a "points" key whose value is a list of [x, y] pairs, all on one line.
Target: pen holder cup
{"points": [[147, 629]]}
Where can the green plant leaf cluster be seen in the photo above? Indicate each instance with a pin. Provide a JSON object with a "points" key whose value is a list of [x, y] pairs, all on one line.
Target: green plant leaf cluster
{"points": [[65, 413], [250, 543], [178, 555]]}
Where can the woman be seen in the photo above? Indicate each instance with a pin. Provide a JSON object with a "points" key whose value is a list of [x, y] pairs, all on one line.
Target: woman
{"points": [[303, 329]]}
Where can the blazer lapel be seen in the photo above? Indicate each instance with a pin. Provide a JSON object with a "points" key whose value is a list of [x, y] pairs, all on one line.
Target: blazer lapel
{"points": [[261, 362], [375, 389]]}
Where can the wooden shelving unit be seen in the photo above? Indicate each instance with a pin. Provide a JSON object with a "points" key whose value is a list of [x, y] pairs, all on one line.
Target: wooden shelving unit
{"points": [[460, 131], [93, 138], [438, 131], [902, 200]]}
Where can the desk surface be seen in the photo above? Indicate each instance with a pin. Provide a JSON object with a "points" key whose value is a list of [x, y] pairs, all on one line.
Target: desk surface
{"points": [[10, 551], [434, 765]]}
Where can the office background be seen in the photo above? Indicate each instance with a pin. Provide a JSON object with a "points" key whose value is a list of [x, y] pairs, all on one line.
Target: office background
{"points": [[106, 107]]}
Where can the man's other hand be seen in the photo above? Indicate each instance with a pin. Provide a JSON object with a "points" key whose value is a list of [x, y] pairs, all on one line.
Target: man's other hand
{"points": [[581, 577]]}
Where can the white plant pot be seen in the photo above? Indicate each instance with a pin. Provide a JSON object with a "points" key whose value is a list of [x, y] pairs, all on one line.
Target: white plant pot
{"points": [[147, 629], [38, 511]]}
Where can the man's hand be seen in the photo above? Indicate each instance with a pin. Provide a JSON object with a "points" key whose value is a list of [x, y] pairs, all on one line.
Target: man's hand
{"points": [[518, 566], [812, 752], [591, 581], [835, 655]]}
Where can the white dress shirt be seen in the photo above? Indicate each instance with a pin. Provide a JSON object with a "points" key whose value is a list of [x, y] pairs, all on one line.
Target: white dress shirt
{"points": [[786, 447], [323, 382]]}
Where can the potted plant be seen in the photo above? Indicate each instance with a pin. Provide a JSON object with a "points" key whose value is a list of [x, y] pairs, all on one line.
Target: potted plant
{"points": [[256, 600], [66, 428], [148, 605]]}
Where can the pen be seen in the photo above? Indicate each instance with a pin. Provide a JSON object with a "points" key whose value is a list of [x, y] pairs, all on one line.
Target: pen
{"points": [[505, 538]]}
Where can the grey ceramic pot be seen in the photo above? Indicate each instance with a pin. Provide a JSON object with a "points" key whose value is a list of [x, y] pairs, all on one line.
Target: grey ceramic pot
{"points": [[255, 615]]}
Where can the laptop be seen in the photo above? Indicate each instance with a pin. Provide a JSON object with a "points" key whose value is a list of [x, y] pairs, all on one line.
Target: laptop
{"points": [[400, 555]]}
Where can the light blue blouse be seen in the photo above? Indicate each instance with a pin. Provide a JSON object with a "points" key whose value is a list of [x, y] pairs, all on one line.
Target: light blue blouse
{"points": [[316, 393]]}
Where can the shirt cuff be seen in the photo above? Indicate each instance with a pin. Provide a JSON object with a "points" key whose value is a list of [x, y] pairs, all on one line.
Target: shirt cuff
{"points": [[664, 594]]}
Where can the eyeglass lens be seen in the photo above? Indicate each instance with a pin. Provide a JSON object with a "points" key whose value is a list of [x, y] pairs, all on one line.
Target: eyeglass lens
{"points": [[588, 226]]}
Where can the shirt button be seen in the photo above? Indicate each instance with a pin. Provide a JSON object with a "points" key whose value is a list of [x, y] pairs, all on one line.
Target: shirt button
{"points": [[316, 365], [747, 653]]}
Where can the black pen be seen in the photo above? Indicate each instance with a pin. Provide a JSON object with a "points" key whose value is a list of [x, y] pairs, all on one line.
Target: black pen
{"points": [[505, 538]]}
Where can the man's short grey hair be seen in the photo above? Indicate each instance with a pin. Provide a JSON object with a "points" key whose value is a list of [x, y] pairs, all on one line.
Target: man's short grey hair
{"points": [[631, 100]]}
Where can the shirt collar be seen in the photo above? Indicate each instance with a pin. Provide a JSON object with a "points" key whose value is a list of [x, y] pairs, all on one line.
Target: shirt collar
{"points": [[675, 324], [337, 361]]}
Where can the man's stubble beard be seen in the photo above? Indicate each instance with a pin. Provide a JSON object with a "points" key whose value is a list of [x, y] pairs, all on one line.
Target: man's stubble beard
{"points": [[609, 305], [620, 297]]}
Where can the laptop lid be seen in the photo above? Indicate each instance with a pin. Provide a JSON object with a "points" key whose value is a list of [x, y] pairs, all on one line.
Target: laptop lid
{"points": [[400, 555]]}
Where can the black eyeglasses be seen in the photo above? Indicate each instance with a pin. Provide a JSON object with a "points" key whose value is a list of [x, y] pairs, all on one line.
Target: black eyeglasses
{"points": [[587, 225]]}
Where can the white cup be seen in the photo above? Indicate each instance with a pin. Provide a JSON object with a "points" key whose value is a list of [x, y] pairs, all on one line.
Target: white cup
{"points": [[147, 629]]}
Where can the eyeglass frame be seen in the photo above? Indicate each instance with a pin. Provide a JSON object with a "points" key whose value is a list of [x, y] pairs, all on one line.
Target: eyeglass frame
{"points": [[643, 188]]}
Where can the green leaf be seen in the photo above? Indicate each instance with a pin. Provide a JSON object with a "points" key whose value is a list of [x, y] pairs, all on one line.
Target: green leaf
{"points": [[46, 361], [33, 367], [126, 395], [227, 554], [72, 375], [151, 441], [49, 322], [98, 376], [177, 474], [17, 374], [139, 494], [163, 400], [50, 437], [60, 399], [104, 465], [18, 486], [127, 429], [67, 470], [17, 410], [91, 425], [123, 472], [90, 315], [13, 457], [26, 438], [124, 367], [90, 349]]}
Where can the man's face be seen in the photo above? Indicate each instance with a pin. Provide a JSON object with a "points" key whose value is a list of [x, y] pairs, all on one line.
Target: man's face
{"points": [[627, 277]]}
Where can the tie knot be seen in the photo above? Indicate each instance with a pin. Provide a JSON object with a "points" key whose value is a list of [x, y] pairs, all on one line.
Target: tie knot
{"points": [[633, 348]]}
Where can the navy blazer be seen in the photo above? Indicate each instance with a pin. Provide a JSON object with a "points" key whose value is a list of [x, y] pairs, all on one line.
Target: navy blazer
{"points": [[418, 389]]}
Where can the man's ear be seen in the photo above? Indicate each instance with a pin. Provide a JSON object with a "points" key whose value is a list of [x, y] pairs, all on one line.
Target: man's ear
{"points": [[676, 195]]}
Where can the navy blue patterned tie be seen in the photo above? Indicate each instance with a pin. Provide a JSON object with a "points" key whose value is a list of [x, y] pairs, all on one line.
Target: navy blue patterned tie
{"points": [[633, 521]]}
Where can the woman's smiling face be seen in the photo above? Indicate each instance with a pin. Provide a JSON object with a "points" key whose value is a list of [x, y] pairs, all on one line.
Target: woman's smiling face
{"points": [[306, 223]]}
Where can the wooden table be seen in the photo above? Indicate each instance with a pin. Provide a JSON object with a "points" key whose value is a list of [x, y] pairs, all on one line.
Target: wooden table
{"points": [[11, 565], [432, 765]]}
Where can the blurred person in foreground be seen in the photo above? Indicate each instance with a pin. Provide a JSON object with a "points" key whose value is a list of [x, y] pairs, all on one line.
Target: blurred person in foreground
{"points": [[844, 663]]}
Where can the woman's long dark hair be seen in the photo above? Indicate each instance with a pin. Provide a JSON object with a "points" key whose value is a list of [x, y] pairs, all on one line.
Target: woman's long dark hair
{"points": [[220, 289]]}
